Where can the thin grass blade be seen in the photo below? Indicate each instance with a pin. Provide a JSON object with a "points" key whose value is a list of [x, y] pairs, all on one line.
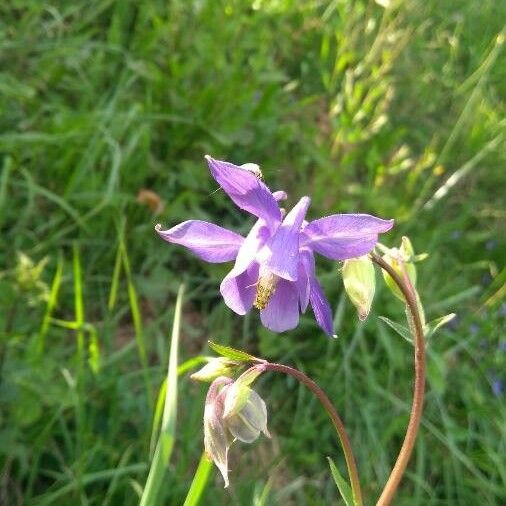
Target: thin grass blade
{"points": [[165, 443], [199, 481]]}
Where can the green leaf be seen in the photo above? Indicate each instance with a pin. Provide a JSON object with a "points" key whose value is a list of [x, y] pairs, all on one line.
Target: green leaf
{"points": [[165, 442], [342, 485], [160, 402], [400, 329], [432, 327], [232, 353], [199, 481]]}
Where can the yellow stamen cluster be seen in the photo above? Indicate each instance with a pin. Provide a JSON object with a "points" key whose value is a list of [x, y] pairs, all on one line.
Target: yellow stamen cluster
{"points": [[265, 290]]}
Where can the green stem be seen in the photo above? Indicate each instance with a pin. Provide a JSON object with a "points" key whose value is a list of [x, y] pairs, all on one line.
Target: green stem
{"points": [[336, 420], [409, 293]]}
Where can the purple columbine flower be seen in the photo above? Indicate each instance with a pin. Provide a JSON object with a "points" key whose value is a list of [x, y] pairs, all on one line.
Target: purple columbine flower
{"points": [[274, 267]]}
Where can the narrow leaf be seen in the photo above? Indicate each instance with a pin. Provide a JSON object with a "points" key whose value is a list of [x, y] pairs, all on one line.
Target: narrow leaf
{"points": [[400, 329], [433, 326], [342, 485], [165, 443], [232, 353], [199, 481]]}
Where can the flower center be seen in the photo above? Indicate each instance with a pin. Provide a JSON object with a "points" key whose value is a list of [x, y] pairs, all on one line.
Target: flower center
{"points": [[266, 287]]}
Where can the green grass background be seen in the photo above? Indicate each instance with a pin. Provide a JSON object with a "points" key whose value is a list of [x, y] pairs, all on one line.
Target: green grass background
{"points": [[397, 112]]}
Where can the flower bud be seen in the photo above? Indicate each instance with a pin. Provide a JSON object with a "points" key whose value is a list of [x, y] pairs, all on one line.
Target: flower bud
{"points": [[401, 260], [250, 420], [360, 282], [216, 366], [245, 424], [239, 391], [217, 440]]}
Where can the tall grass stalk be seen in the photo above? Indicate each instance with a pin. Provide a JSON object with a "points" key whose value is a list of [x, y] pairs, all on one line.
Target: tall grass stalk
{"points": [[165, 443]]}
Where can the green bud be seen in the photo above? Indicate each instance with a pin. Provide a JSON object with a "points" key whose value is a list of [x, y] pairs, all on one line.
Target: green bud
{"points": [[247, 423], [216, 366], [401, 260], [360, 282], [239, 392]]}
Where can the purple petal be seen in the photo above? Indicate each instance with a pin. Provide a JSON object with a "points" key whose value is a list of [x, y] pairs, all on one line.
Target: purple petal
{"points": [[282, 253], [282, 311], [208, 241], [246, 190], [303, 284], [256, 238], [319, 303], [239, 290], [343, 236], [280, 195]]}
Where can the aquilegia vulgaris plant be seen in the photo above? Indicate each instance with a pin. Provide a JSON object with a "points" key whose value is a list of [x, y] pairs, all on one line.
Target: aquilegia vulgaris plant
{"points": [[274, 271]]}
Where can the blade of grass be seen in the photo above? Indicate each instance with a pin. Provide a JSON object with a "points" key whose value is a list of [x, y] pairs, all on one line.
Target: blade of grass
{"points": [[88, 479], [137, 320], [51, 304], [199, 481], [168, 431], [115, 280], [80, 389], [184, 367]]}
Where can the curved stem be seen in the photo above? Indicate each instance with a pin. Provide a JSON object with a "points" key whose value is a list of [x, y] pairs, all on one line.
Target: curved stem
{"points": [[409, 293], [336, 420]]}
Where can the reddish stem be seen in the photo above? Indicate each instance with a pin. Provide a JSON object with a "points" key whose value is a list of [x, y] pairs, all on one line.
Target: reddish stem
{"points": [[409, 293], [336, 420]]}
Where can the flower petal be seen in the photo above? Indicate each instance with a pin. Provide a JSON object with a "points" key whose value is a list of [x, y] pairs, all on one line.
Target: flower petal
{"points": [[319, 303], [238, 290], [282, 251], [208, 241], [256, 238], [343, 236], [216, 438], [282, 311], [246, 190], [303, 284], [280, 195], [321, 308]]}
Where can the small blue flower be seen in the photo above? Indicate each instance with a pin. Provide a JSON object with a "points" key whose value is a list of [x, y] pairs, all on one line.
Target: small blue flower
{"points": [[473, 329], [490, 245], [497, 387]]}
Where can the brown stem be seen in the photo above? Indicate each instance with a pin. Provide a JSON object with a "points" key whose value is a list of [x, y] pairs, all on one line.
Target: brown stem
{"points": [[336, 420], [409, 293]]}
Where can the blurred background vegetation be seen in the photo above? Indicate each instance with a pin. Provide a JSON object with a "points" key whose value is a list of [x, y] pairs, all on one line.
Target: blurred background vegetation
{"points": [[394, 108]]}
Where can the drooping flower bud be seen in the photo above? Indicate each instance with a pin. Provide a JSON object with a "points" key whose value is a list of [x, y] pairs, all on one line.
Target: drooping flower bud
{"points": [[244, 424], [250, 420], [215, 367], [360, 283], [216, 437], [238, 393]]}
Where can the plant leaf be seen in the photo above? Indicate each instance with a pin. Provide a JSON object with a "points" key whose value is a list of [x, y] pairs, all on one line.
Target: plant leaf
{"points": [[165, 443], [342, 485], [400, 329], [199, 481], [432, 327], [232, 353]]}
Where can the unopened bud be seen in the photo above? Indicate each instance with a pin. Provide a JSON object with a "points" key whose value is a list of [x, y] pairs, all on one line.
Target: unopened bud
{"points": [[216, 366], [360, 283], [401, 260], [245, 424], [238, 393]]}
